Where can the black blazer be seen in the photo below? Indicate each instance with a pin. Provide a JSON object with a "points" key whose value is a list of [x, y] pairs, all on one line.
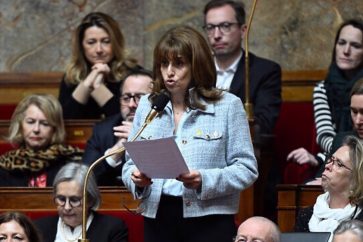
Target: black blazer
{"points": [[103, 228], [265, 90], [102, 139]]}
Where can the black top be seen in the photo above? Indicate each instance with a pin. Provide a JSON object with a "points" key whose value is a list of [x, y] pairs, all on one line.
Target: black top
{"points": [[22, 178], [104, 228], [75, 110]]}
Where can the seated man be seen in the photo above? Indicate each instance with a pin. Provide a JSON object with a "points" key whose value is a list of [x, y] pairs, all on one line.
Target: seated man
{"points": [[258, 229], [112, 132], [224, 23]]}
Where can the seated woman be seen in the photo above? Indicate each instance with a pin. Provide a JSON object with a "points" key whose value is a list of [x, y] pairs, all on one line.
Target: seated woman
{"points": [[16, 226], [37, 130], [331, 97], [91, 86], [343, 185], [68, 188]]}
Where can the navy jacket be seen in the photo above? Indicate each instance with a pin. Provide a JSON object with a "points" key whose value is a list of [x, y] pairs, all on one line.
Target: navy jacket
{"points": [[102, 139], [265, 90]]}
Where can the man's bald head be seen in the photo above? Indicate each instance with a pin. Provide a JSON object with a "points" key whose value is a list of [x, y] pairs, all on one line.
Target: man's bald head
{"points": [[258, 228]]}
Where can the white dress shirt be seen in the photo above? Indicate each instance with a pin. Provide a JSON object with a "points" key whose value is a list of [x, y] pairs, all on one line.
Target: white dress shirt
{"points": [[225, 77]]}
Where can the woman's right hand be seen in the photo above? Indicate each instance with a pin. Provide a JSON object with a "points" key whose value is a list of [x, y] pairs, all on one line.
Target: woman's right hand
{"points": [[140, 179], [96, 77], [302, 156]]}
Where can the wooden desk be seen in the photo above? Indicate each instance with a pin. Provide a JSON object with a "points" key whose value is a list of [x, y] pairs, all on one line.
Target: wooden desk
{"points": [[292, 197], [38, 199]]}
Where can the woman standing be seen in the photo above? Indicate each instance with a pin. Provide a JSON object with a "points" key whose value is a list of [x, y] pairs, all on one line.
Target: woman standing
{"points": [[212, 133]]}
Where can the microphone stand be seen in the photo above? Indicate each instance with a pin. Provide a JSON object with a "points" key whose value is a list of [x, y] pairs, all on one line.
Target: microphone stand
{"points": [[248, 104], [148, 119]]}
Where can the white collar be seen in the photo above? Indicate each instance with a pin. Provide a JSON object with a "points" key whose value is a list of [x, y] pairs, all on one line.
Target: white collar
{"points": [[232, 68]]}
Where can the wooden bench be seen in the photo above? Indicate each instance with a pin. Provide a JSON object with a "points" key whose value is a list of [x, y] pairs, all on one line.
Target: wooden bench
{"points": [[292, 197], [38, 202]]}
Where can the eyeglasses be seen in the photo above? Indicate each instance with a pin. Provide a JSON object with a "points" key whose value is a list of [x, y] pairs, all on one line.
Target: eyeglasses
{"points": [[336, 162], [73, 201], [224, 27], [126, 98]]}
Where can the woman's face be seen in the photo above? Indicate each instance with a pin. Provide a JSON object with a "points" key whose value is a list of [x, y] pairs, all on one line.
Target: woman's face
{"points": [[176, 75], [69, 192], [97, 45], [337, 175], [349, 49], [36, 130], [12, 231]]}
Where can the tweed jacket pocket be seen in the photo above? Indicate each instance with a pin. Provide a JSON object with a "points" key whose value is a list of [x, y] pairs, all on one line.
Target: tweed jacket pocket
{"points": [[208, 135]]}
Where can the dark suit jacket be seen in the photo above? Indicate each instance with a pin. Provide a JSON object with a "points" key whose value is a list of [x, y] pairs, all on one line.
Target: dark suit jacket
{"points": [[102, 139], [103, 228], [265, 90]]}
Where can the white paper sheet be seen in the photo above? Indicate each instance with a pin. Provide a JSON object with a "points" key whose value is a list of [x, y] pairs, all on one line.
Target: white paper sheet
{"points": [[160, 158]]}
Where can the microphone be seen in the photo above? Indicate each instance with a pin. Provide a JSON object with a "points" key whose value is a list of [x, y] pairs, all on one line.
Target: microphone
{"points": [[157, 107]]}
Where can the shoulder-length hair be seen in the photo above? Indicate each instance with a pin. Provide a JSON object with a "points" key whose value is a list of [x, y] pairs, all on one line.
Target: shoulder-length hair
{"points": [[356, 156], [52, 110], [79, 68], [77, 172], [29, 229], [187, 42]]}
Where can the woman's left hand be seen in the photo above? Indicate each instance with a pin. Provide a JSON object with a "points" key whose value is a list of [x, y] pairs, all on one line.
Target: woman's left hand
{"points": [[191, 180]]}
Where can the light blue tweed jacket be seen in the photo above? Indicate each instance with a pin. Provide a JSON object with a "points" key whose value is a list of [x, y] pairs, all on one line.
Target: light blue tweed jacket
{"points": [[216, 142]]}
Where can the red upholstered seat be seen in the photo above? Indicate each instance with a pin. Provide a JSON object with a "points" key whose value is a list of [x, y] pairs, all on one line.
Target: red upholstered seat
{"points": [[295, 128], [6, 110]]}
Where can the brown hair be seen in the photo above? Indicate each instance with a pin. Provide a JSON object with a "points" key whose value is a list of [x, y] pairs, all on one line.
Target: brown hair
{"points": [[30, 230], [238, 7], [356, 156], [79, 68], [187, 42]]}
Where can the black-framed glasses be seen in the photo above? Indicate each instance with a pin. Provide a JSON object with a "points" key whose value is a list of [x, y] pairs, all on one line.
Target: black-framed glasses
{"points": [[224, 27], [73, 201], [336, 162], [126, 98]]}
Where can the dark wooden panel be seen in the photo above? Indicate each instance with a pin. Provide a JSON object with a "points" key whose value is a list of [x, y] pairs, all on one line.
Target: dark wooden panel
{"points": [[291, 198]]}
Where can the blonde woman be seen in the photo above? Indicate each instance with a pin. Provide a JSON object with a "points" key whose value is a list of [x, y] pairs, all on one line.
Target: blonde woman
{"points": [[37, 132]]}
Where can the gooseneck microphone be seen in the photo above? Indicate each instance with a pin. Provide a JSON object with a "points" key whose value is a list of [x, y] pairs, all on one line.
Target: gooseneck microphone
{"points": [[157, 107]]}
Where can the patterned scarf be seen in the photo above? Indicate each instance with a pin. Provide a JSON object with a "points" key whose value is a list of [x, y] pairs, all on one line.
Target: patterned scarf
{"points": [[28, 160]]}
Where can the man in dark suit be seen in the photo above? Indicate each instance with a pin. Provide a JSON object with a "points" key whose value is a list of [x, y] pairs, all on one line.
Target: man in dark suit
{"points": [[109, 134], [225, 28]]}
